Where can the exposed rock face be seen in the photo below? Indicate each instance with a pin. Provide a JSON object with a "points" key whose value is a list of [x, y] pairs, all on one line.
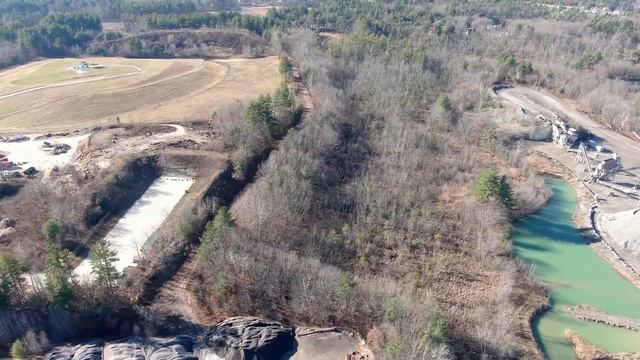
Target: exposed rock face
{"points": [[175, 348], [236, 338], [247, 338], [88, 351], [131, 348]]}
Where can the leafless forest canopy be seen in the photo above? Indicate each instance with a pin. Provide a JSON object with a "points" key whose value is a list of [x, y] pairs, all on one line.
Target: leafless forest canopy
{"points": [[364, 210]]}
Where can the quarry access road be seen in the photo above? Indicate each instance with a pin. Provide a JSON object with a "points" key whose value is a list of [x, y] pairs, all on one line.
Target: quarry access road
{"points": [[541, 101]]}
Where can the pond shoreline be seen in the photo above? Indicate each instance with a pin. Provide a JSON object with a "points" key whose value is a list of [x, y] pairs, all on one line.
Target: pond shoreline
{"points": [[548, 167], [583, 218]]}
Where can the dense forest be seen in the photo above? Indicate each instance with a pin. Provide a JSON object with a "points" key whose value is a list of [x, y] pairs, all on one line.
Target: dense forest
{"points": [[390, 209], [42, 28]]}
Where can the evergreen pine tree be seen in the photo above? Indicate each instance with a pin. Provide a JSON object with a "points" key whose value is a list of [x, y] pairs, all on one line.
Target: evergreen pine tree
{"points": [[102, 265]]}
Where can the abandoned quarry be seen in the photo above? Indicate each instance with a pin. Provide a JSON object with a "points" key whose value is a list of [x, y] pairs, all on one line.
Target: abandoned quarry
{"points": [[319, 180]]}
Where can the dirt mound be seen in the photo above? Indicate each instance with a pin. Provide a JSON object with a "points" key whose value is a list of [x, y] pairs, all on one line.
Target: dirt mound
{"points": [[187, 43]]}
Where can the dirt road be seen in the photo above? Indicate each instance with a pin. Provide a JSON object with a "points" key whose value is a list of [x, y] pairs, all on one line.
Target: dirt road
{"points": [[540, 101]]}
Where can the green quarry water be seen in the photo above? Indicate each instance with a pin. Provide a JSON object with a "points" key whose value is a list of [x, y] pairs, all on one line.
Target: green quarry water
{"points": [[575, 274]]}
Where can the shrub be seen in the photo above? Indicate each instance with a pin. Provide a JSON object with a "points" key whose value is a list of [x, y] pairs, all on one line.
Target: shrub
{"points": [[436, 333], [213, 230], [589, 61], [17, 350], [260, 112], [52, 230], [285, 67], [444, 103], [491, 186]]}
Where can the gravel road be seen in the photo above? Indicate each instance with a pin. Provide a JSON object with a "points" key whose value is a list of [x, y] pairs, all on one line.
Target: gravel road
{"points": [[540, 101]]}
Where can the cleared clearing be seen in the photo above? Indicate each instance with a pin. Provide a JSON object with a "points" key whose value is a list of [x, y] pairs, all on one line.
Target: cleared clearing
{"points": [[258, 10], [62, 70], [161, 91]]}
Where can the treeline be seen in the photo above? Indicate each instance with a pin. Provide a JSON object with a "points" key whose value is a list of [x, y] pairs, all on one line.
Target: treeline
{"points": [[108, 10], [57, 35], [203, 43], [31, 28], [612, 26], [156, 21], [53, 35], [119, 9]]}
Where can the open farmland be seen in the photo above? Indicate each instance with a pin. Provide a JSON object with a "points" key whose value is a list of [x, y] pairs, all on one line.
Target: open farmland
{"points": [[50, 96]]}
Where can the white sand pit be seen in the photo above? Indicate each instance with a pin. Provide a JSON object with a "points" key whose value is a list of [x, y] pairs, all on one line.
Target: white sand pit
{"points": [[624, 228], [30, 152], [146, 215]]}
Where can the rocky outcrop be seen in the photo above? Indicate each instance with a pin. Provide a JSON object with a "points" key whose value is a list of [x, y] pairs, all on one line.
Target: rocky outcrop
{"points": [[131, 348], [175, 348], [237, 338], [88, 351], [242, 338]]}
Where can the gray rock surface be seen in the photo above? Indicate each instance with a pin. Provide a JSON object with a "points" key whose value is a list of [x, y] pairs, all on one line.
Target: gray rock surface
{"points": [[89, 351], [247, 338], [126, 349], [174, 348], [236, 338]]}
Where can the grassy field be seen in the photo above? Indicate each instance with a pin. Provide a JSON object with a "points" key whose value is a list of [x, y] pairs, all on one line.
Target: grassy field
{"points": [[161, 91], [56, 71]]}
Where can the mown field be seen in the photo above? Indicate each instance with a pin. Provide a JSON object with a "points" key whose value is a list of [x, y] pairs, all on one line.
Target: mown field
{"points": [[49, 96]]}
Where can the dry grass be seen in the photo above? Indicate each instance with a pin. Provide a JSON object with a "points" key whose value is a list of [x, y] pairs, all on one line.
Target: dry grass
{"points": [[258, 10], [60, 71], [163, 91], [113, 26]]}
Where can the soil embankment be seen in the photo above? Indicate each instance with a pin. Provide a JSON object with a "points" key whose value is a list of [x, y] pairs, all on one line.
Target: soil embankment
{"points": [[586, 351], [121, 191]]}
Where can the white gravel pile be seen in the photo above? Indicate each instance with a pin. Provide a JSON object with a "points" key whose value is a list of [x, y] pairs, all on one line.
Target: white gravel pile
{"points": [[624, 228]]}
